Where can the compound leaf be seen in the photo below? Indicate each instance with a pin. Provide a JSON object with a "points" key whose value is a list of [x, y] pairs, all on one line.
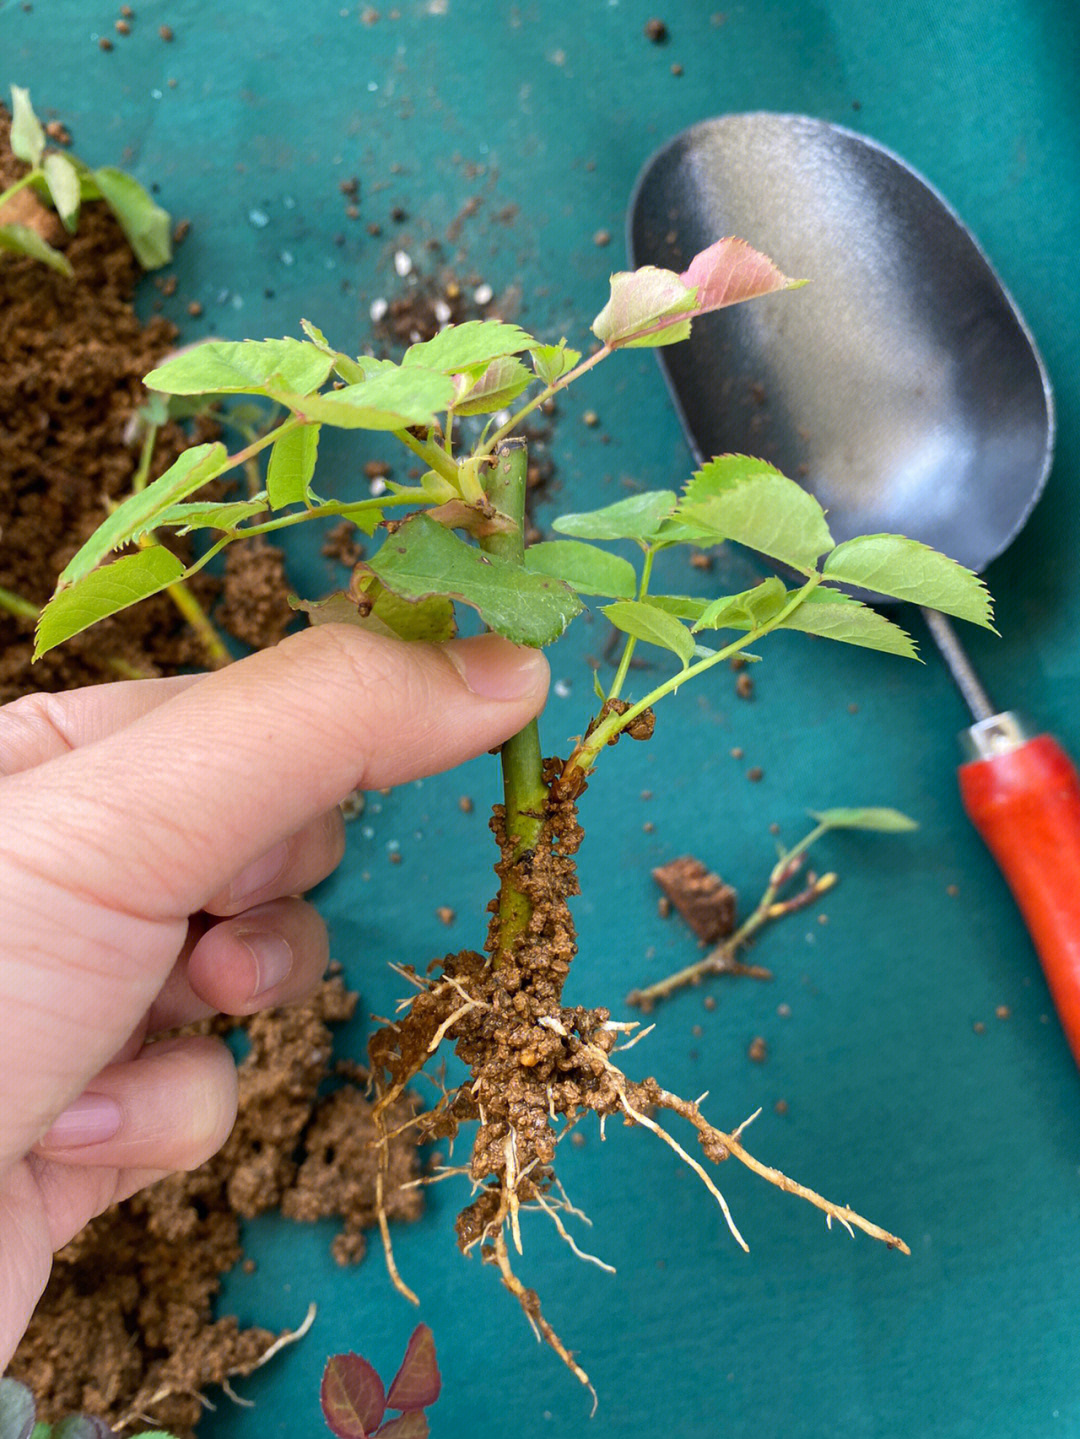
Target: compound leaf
{"points": [[725, 273], [352, 1397], [749, 501], [105, 592], [908, 570], [145, 224], [469, 346], [585, 568], [242, 367], [291, 466], [638, 517], [21, 240], [874, 817], [652, 624], [188, 473], [422, 558]]}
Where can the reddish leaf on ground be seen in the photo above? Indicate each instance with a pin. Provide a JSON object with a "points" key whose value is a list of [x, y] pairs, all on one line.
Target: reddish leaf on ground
{"points": [[417, 1382], [413, 1425], [352, 1397], [729, 271]]}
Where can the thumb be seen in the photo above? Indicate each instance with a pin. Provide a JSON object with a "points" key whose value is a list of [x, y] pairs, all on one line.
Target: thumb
{"points": [[152, 818]]}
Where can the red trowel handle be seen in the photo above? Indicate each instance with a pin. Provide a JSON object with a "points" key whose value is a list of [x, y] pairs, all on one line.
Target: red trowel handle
{"points": [[1025, 802]]}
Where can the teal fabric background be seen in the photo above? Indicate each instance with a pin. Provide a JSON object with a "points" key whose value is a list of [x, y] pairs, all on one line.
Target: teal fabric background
{"points": [[965, 1143]]}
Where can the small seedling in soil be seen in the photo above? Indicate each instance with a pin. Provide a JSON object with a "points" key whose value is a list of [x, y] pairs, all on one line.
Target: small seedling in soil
{"points": [[18, 1419], [60, 178], [457, 403], [354, 1400], [723, 959]]}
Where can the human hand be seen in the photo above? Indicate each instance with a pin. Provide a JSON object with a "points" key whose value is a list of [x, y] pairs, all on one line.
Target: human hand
{"points": [[155, 836]]}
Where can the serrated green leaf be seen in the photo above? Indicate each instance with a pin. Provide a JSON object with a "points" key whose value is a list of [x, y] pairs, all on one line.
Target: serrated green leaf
{"points": [[586, 569], [63, 181], [21, 240], [104, 592], [291, 466], [500, 383], [27, 138], [907, 570], [384, 613], [875, 817], [468, 346], [390, 399], [837, 616], [551, 362], [648, 622], [208, 515], [640, 301], [145, 224], [188, 473], [242, 367], [746, 610], [638, 517], [749, 501], [683, 607], [422, 558]]}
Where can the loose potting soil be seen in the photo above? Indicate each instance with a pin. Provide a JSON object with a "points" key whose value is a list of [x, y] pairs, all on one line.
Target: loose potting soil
{"points": [[125, 1329]]}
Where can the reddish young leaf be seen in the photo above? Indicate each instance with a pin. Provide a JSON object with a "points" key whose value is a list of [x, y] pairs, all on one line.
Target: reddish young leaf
{"points": [[413, 1425], [730, 271], [352, 1397], [417, 1382]]}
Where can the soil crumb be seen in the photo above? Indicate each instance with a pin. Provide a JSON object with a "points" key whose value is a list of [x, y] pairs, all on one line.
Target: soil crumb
{"points": [[705, 902], [125, 1329]]}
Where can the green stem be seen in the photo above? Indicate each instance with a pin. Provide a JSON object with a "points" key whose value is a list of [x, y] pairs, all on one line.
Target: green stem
{"points": [[20, 184], [431, 453], [628, 649], [15, 605], [545, 394], [524, 792], [584, 757]]}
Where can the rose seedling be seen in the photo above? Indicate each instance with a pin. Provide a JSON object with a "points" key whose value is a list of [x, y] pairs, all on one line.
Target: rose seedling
{"points": [[536, 1067], [65, 182]]}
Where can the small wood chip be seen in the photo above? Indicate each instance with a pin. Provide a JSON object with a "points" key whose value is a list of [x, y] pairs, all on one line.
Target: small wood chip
{"points": [[656, 31], [166, 33], [446, 914], [758, 1050], [705, 902]]}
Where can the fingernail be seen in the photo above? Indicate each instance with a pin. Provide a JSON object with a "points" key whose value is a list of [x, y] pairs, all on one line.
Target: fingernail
{"points": [[273, 958], [259, 873], [494, 668], [88, 1120]]}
